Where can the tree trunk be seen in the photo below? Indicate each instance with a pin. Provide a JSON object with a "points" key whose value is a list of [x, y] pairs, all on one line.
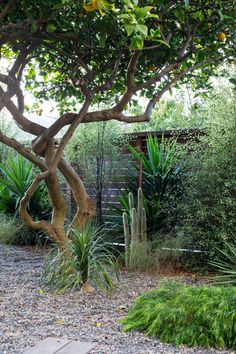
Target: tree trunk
{"points": [[86, 206]]}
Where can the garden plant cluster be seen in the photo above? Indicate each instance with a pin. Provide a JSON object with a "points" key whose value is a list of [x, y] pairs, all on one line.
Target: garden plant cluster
{"points": [[108, 70]]}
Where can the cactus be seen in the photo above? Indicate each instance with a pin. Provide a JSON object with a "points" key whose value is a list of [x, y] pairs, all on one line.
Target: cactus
{"points": [[136, 233], [131, 201], [127, 239], [140, 212]]}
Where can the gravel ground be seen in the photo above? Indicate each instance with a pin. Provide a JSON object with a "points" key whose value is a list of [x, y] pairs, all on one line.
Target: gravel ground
{"points": [[28, 314]]}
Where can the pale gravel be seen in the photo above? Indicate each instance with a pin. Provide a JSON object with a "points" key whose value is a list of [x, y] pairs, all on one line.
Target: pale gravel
{"points": [[28, 315]]}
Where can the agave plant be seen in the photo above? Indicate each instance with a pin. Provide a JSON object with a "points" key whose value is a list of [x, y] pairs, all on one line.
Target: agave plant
{"points": [[17, 175], [89, 263], [161, 181], [227, 266]]}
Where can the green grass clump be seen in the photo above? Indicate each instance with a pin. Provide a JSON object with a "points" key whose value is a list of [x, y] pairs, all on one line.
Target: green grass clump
{"points": [[13, 231], [186, 314], [8, 229]]}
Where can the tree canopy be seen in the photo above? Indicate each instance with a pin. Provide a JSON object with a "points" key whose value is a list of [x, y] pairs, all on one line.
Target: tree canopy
{"points": [[80, 53], [78, 45]]}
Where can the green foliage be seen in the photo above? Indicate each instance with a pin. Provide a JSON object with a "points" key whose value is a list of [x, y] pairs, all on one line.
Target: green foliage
{"points": [[8, 229], [13, 231], [207, 211], [166, 253], [111, 29], [186, 107], [90, 260], [186, 314], [226, 266], [161, 182], [5, 128], [170, 114], [17, 176]]}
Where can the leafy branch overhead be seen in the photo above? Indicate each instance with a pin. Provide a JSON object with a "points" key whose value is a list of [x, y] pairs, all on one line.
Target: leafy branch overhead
{"points": [[82, 53]]}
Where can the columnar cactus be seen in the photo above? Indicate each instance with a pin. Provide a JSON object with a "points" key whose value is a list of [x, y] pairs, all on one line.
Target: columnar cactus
{"points": [[136, 233]]}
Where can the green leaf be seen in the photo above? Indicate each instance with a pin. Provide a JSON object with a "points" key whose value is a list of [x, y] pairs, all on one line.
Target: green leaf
{"points": [[143, 12], [179, 14], [186, 3], [32, 74], [129, 29], [221, 15], [58, 6], [233, 81], [143, 29], [51, 28], [155, 33], [34, 27], [102, 40], [137, 42]]}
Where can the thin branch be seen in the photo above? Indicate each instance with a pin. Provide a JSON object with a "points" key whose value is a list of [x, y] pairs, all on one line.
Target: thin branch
{"points": [[24, 123], [37, 225], [110, 81], [131, 88], [7, 9], [12, 80], [68, 134], [158, 76], [157, 96], [132, 68]]}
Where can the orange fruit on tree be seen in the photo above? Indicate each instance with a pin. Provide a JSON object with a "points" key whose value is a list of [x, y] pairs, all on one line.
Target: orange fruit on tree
{"points": [[221, 36], [152, 68], [92, 6], [95, 4]]}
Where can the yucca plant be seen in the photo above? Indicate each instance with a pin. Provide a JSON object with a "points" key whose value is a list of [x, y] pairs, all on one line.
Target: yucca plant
{"points": [[161, 181], [227, 266], [17, 175], [89, 263]]}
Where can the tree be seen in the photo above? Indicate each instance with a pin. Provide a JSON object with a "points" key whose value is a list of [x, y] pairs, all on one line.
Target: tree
{"points": [[105, 51]]}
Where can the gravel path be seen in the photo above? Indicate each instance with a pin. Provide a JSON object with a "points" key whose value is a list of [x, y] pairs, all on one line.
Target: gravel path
{"points": [[28, 315]]}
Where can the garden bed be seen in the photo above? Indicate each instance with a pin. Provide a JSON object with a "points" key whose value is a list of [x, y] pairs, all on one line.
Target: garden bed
{"points": [[29, 315]]}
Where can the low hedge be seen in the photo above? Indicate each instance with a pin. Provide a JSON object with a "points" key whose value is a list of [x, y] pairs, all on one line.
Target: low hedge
{"points": [[186, 314]]}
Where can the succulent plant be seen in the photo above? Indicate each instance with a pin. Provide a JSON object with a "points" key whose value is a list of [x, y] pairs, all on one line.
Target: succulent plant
{"points": [[135, 233]]}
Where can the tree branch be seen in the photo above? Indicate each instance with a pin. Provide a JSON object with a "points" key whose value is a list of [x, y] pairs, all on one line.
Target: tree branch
{"points": [[23, 151], [68, 135], [157, 96], [24, 123], [109, 82], [130, 82], [6, 9], [36, 225]]}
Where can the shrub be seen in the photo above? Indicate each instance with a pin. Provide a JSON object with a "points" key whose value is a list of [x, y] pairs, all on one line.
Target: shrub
{"points": [[8, 229], [17, 175], [208, 209], [13, 231], [166, 252], [186, 314], [89, 261]]}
